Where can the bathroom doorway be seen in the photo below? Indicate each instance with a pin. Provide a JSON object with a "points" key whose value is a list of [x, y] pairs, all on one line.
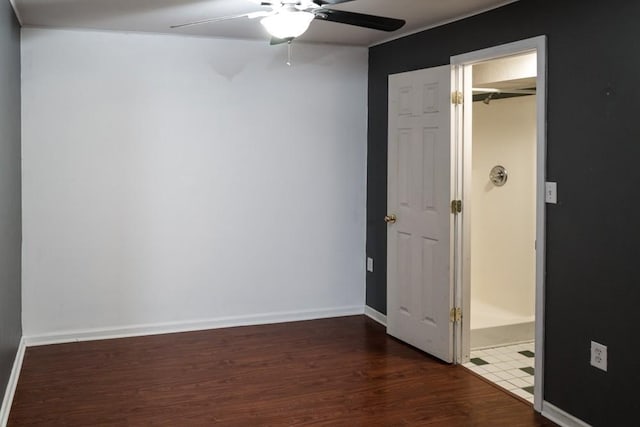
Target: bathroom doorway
{"points": [[503, 222], [501, 153]]}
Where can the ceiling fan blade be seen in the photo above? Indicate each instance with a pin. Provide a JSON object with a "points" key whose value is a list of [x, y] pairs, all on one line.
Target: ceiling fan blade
{"points": [[323, 2], [224, 18], [275, 40], [360, 20]]}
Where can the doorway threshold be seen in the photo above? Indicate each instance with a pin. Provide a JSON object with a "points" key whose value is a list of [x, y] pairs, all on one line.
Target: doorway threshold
{"points": [[510, 367]]}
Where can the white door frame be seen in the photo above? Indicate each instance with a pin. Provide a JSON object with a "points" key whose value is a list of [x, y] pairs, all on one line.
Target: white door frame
{"points": [[462, 126]]}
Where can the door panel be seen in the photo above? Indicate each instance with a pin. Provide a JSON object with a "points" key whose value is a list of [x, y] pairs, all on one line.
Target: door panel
{"points": [[419, 288]]}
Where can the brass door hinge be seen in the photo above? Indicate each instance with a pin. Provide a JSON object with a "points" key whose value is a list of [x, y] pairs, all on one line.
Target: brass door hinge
{"points": [[457, 98], [455, 315], [456, 207]]}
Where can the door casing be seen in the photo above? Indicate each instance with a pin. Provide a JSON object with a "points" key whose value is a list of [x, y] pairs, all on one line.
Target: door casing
{"points": [[461, 128]]}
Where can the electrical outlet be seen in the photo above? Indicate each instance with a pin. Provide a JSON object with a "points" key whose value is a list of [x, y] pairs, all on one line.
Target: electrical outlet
{"points": [[370, 264], [599, 355]]}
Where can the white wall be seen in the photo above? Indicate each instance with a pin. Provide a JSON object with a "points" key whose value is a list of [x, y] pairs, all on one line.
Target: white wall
{"points": [[174, 179], [503, 218]]}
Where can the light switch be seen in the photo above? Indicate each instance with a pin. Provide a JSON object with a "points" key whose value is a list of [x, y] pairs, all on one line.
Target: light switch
{"points": [[551, 192], [370, 264]]}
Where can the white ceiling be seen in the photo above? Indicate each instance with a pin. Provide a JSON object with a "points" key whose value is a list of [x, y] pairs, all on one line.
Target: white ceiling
{"points": [[158, 15]]}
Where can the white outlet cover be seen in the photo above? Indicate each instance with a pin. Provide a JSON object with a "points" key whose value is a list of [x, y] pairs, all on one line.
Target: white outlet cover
{"points": [[599, 355], [370, 264]]}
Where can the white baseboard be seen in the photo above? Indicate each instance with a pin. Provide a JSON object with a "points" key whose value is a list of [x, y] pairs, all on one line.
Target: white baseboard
{"points": [[560, 417], [188, 326], [375, 315], [12, 384]]}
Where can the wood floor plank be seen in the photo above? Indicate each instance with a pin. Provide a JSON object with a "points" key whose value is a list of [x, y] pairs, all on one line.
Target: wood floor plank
{"points": [[331, 372]]}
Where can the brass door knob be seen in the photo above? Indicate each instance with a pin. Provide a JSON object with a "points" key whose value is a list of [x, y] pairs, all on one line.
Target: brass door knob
{"points": [[390, 219]]}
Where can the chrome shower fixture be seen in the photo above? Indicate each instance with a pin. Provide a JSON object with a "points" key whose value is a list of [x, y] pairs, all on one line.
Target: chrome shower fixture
{"points": [[489, 97]]}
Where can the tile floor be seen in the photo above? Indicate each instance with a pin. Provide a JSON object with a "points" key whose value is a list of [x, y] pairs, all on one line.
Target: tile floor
{"points": [[510, 367]]}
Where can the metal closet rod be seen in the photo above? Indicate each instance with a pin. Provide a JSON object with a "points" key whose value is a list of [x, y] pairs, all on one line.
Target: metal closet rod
{"points": [[516, 91]]}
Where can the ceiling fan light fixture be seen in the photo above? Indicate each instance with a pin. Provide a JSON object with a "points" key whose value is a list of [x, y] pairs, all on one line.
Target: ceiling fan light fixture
{"points": [[287, 24]]}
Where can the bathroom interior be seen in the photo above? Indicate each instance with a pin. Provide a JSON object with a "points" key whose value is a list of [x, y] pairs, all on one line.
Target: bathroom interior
{"points": [[503, 223]]}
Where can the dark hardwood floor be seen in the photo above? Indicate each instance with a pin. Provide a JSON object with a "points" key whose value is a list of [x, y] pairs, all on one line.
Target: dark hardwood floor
{"points": [[333, 372]]}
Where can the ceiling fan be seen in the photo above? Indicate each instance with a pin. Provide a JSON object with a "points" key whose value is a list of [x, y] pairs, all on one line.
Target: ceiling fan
{"points": [[288, 19]]}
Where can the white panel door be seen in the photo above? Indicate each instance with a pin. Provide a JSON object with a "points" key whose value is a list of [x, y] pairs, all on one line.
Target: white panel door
{"points": [[419, 284]]}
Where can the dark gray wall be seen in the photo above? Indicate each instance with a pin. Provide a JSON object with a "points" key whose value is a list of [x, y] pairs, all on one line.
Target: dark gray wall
{"points": [[10, 189], [593, 271]]}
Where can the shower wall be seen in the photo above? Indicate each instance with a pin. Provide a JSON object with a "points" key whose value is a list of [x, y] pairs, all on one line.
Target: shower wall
{"points": [[503, 218]]}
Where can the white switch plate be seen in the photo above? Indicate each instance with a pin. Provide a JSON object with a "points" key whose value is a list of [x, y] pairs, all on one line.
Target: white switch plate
{"points": [[599, 355], [551, 192], [370, 264]]}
